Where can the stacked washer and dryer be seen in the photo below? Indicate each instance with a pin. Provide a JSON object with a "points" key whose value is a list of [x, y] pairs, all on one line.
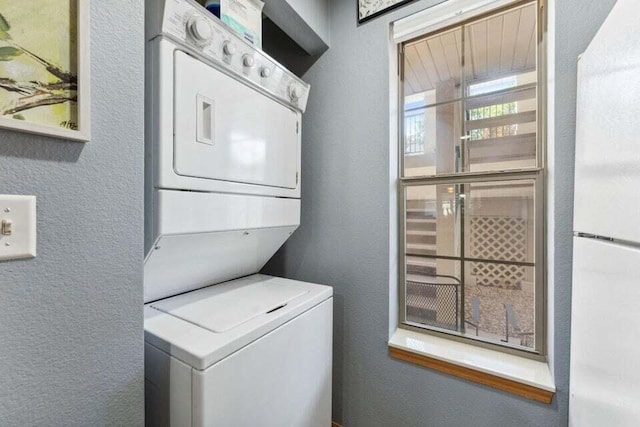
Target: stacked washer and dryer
{"points": [[225, 346]]}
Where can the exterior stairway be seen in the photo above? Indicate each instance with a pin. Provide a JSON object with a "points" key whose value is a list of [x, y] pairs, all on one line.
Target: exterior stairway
{"points": [[421, 299], [429, 300]]}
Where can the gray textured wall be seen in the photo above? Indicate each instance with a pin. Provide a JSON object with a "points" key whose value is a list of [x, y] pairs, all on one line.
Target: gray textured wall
{"points": [[71, 319], [343, 240]]}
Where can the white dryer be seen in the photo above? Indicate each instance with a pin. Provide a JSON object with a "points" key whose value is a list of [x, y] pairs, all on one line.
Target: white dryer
{"points": [[225, 346]]}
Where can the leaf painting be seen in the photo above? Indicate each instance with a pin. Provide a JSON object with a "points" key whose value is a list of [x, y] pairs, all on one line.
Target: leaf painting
{"points": [[370, 8], [38, 62]]}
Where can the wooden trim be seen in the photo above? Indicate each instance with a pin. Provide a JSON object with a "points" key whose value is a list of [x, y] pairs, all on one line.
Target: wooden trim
{"points": [[510, 386], [335, 424]]}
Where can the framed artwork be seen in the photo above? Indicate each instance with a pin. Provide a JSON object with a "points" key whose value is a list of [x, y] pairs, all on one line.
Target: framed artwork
{"points": [[369, 9], [44, 67]]}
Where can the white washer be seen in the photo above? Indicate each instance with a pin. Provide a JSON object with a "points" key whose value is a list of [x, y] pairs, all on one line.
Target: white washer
{"points": [[251, 352], [225, 346]]}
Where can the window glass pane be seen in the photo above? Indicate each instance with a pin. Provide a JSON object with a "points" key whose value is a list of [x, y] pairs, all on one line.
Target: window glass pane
{"points": [[489, 292], [432, 67], [431, 138], [500, 221], [499, 302], [501, 131], [433, 294], [500, 51], [484, 119], [432, 224], [469, 106]]}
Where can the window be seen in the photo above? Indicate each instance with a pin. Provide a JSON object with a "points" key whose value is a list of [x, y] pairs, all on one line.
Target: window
{"points": [[414, 128], [471, 182]]}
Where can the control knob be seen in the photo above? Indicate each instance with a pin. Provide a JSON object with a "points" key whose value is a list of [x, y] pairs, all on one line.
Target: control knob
{"points": [[265, 72], [198, 27], [248, 61], [228, 48], [294, 92]]}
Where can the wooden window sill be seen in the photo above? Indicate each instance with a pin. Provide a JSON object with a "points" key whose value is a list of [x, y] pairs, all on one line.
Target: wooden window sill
{"points": [[523, 377]]}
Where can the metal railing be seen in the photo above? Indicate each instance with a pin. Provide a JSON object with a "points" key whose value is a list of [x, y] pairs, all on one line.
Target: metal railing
{"points": [[434, 304], [414, 132]]}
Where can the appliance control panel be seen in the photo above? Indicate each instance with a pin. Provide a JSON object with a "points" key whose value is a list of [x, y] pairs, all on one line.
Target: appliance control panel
{"points": [[192, 25]]}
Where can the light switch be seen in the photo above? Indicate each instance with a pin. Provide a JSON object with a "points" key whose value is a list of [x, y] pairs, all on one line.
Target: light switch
{"points": [[7, 227], [17, 227]]}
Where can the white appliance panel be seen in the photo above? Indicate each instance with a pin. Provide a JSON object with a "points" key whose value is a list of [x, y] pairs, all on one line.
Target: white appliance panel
{"points": [[183, 262], [220, 310], [160, 133], [607, 200], [186, 212], [176, 21], [281, 379], [226, 131], [205, 238], [167, 391], [605, 350], [200, 347]]}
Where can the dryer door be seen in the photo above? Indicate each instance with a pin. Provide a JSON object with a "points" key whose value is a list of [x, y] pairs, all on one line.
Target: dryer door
{"points": [[225, 130]]}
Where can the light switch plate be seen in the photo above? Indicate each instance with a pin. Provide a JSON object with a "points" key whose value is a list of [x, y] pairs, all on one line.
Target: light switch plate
{"points": [[18, 234]]}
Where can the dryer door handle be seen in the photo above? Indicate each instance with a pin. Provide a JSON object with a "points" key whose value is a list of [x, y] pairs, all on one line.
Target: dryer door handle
{"points": [[205, 110]]}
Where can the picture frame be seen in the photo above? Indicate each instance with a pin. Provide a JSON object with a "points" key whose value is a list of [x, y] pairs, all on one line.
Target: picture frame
{"points": [[45, 68], [370, 9]]}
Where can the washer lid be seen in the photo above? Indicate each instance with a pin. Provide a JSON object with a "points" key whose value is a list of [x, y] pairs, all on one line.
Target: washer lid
{"points": [[205, 326], [221, 309]]}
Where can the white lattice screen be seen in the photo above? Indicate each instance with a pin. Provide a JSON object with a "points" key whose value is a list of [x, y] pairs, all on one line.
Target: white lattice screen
{"points": [[498, 238]]}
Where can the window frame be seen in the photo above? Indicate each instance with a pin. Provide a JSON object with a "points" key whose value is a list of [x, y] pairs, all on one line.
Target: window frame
{"points": [[537, 174]]}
